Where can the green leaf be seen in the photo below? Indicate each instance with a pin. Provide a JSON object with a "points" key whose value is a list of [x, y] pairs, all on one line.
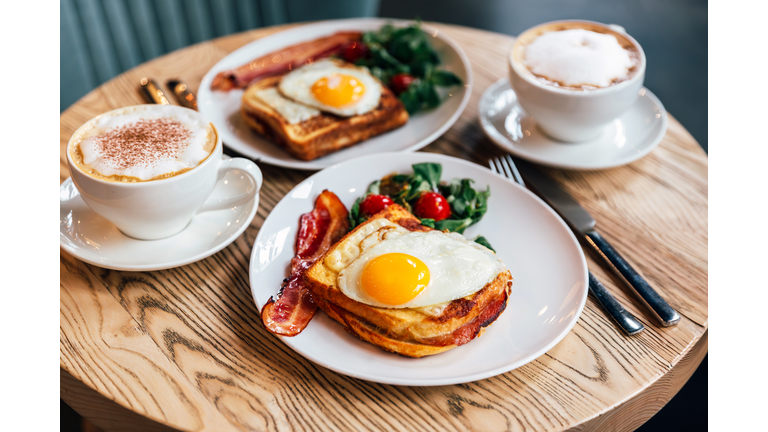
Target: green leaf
{"points": [[416, 190], [468, 194], [430, 172], [444, 78], [371, 37], [453, 225], [452, 188], [354, 213], [429, 97], [428, 222], [381, 55], [374, 188], [428, 70], [482, 241], [433, 99], [481, 204], [402, 68], [405, 43], [400, 178], [385, 33], [410, 99], [458, 206]]}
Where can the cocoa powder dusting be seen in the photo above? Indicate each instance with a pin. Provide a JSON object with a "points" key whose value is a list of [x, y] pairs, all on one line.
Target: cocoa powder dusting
{"points": [[143, 143]]}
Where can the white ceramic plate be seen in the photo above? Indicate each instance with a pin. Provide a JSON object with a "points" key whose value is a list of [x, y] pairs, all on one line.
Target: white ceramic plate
{"points": [[97, 241], [223, 108], [625, 140], [542, 254]]}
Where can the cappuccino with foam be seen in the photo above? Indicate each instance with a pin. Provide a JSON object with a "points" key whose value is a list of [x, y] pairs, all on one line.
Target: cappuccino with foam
{"points": [[577, 55], [149, 169], [143, 143]]}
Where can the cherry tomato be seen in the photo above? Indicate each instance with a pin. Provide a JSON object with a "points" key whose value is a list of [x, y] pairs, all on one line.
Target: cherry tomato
{"points": [[373, 204], [400, 82], [354, 51], [432, 205]]}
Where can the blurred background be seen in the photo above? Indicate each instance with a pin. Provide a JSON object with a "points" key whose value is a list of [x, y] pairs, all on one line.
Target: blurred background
{"points": [[102, 38]]}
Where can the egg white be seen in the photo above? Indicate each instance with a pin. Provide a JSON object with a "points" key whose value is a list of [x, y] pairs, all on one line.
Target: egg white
{"points": [[291, 111], [297, 85], [457, 267]]}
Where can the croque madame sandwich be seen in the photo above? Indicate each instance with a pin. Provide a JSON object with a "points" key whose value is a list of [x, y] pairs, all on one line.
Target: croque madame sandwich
{"points": [[321, 107], [407, 288]]}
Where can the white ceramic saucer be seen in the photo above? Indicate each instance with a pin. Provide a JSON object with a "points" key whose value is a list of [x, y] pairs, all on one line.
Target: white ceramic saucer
{"points": [[95, 240], [627, 139]]}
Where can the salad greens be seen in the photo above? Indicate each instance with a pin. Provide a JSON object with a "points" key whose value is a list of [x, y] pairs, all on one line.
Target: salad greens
{"points": [[407, 50], [467, 204]]}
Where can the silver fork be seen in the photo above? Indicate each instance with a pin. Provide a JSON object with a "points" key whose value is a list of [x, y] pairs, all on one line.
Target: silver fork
{"points": [[626, 321]]}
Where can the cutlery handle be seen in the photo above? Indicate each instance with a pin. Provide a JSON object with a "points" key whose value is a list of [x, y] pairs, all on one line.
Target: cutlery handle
{"points": [[655, 302], [153, 92], [183, 94], [624, 319]]}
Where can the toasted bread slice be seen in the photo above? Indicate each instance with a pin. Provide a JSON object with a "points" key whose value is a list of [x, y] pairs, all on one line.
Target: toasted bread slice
{"points": [[414, 332], [322, 134]]}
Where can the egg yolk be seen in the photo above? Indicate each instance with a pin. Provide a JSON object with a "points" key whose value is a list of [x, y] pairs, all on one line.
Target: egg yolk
{"points": [[338, 89], [394, 278]]}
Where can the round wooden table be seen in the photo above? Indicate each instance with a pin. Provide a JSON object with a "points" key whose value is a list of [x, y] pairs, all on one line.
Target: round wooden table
{"points": [[183, 349]]}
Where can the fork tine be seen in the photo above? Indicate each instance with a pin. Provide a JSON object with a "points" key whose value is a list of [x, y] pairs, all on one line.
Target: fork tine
{"points": [[497, 166], [515, 172], [491, 164], [507, 170]]}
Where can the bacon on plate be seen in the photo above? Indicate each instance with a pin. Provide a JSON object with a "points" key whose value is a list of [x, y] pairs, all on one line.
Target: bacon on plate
{"points": [[318, 231], [278, 62]]}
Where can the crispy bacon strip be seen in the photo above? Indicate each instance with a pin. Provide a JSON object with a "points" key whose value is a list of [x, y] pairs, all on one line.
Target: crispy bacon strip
{"points": [[318, 231], [278, 62]]}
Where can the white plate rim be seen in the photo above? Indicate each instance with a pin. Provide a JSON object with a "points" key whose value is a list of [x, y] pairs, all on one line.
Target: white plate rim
{"points": [[204, 91], [254, 203], [383, 379], [503, 142]]}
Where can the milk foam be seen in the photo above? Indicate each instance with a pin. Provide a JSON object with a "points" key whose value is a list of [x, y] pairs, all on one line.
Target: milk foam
{"points": [[578, 57], [107, 158]]}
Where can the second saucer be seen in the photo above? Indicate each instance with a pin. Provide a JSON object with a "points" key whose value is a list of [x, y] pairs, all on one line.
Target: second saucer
{"points": [[627, 139], [93, 239]]}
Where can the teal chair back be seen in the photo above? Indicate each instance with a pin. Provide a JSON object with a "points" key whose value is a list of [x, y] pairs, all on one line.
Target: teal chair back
{"points": [[102, 38]]}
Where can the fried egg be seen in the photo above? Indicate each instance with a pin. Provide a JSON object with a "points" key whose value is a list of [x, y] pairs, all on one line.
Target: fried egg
{"points": [[390, 267], [333, 86]]}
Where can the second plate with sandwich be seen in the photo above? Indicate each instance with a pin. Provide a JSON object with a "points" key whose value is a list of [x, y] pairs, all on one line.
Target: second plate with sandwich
{"points": [[223, 108], [541, 253]]}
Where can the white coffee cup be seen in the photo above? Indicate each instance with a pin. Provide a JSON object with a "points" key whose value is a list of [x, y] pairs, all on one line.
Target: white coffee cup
{"points": [[157, 209], [573, 115]]}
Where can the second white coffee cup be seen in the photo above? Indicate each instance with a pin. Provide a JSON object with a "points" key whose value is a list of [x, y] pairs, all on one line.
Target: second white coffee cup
{"points": [[157, 209], [572, 115]]}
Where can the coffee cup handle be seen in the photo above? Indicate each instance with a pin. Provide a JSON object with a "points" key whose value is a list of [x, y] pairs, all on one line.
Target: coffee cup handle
{"points": [[227, 165]]}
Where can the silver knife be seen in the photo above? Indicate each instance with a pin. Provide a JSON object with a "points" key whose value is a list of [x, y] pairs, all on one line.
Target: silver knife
{"points": [[584, 224]]}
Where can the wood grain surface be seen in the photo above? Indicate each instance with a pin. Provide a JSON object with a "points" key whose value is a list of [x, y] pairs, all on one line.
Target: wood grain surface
{"points": [[183, 348]]}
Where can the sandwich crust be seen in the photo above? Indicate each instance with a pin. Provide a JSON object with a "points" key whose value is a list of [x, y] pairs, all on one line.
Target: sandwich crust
{"points": [[415, 332], [322, 134]]}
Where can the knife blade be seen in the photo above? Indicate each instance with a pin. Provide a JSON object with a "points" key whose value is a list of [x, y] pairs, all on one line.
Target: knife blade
{"points": [[584, 224]]}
